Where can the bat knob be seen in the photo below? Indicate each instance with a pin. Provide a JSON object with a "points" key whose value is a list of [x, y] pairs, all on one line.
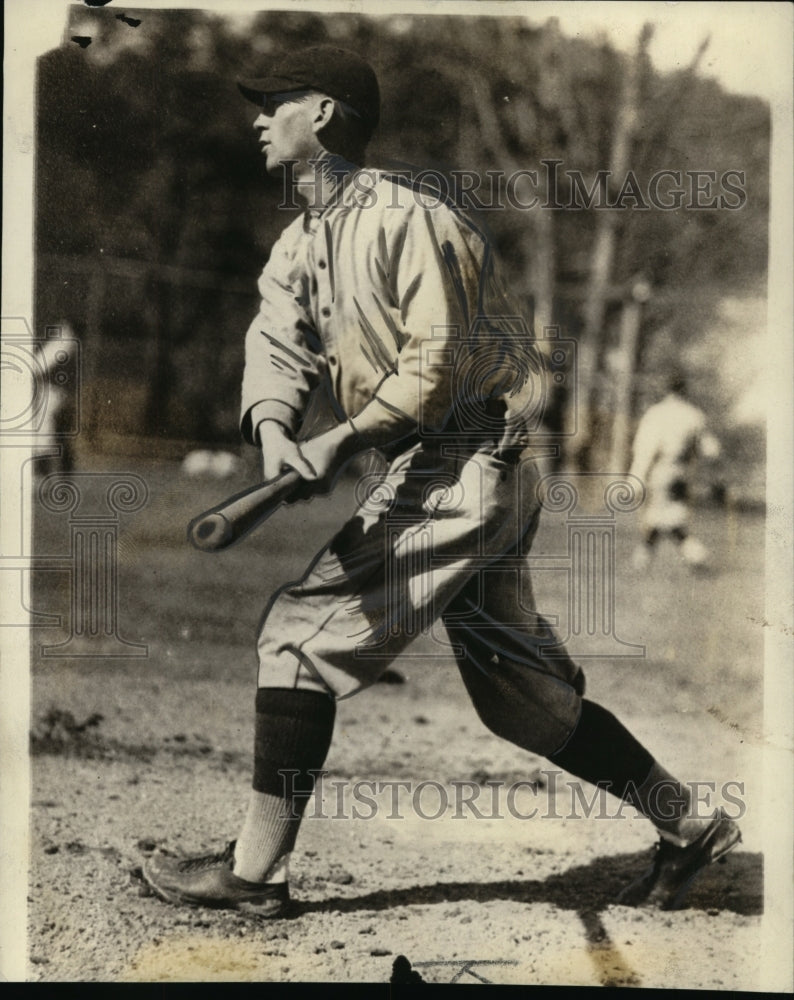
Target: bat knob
{"points": [[210, 532]]}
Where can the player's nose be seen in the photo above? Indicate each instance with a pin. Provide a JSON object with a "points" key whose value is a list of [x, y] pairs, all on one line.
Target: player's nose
{"points": [[261, 122]]}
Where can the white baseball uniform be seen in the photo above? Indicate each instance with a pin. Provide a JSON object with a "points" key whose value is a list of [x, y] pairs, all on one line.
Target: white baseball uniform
{"points": [[670, 435]]}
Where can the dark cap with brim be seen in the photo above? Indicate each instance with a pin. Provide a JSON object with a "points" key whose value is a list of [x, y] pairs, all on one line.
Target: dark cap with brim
{"points": [[255, 90], [325, 68]]}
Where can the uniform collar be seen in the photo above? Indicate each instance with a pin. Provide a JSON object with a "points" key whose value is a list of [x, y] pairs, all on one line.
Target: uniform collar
{"points": [[336, 173]]}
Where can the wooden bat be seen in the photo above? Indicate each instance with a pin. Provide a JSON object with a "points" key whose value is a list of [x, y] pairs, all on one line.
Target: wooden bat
{"points": [[233, 519]]}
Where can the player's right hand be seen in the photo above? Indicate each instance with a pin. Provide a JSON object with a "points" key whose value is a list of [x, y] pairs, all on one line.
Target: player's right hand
{"points": [[280, 452]]}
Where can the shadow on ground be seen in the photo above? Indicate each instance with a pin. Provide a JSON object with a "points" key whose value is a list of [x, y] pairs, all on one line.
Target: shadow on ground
{"points": [[736, 885], [587, 890]]}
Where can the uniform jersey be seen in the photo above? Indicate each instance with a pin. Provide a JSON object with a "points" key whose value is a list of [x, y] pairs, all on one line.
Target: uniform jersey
{"points": [[390, 295]]}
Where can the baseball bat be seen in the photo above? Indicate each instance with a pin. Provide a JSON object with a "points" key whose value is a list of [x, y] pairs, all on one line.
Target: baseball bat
{"points": [[231, 520]]}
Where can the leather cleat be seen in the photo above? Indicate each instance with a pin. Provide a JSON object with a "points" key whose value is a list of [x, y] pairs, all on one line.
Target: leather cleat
{"points": [[666, 882], [210, 881]]}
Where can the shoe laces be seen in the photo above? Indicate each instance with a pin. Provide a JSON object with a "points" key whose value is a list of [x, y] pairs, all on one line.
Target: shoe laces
{"points": [[224, 857]]}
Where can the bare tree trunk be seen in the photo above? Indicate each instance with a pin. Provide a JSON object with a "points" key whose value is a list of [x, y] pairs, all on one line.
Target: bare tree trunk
{"points": [[591, 344], [627, 359], [542, 266], [543, 269]]}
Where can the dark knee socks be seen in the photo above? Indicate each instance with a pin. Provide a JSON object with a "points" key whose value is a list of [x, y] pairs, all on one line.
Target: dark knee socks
{"points": [[292, 737], [603, 752], [293, 734]]}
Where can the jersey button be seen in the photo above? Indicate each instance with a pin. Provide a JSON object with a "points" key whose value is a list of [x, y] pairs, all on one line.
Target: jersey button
{"points": [[331, 359], [325, 311], [322, 265]]}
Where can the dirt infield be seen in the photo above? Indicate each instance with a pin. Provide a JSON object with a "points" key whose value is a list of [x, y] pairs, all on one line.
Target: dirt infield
{"points": [[153, 753]]}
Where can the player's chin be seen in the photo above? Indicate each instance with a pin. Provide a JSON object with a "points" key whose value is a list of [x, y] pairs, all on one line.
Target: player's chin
{"points": [[273, 164]]}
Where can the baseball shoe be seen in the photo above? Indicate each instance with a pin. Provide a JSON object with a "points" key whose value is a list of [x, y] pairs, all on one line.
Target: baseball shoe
{"points": [[666, 882], [209, 881]]}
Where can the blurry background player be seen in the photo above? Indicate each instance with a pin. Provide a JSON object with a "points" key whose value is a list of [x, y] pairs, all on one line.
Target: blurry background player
{"points": [[54, 449], [670, 437]]}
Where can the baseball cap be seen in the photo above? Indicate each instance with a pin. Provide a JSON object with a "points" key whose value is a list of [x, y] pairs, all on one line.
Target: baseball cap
{"points": [[327, 68]]}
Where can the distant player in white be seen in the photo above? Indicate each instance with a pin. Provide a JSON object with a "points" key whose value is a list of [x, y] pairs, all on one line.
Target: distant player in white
{"points": [[670, 437]]}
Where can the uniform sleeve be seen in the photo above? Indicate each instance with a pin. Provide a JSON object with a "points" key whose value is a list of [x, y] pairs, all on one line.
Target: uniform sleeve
{"points": [[435, 266], [282, 351]]}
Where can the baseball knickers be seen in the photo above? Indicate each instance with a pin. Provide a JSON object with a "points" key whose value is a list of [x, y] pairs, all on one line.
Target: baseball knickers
{"points": [[442, 535]]}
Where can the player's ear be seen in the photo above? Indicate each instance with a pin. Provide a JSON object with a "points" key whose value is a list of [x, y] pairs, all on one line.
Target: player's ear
{"points": [[323, 113]]}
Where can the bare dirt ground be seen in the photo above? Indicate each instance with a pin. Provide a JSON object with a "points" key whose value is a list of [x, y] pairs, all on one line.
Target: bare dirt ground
{"points": [[142, 754]]}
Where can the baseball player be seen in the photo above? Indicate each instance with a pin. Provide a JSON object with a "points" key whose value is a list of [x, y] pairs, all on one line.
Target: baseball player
{"points": [[388, 295], [669, 437]]}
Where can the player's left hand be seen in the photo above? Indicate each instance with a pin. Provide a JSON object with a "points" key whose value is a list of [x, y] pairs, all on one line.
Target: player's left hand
{"points": [[327, 454]]}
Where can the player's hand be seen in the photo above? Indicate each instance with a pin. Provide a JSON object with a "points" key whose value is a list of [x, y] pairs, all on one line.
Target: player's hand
{"points": [[327, 454], [280, 452]]}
